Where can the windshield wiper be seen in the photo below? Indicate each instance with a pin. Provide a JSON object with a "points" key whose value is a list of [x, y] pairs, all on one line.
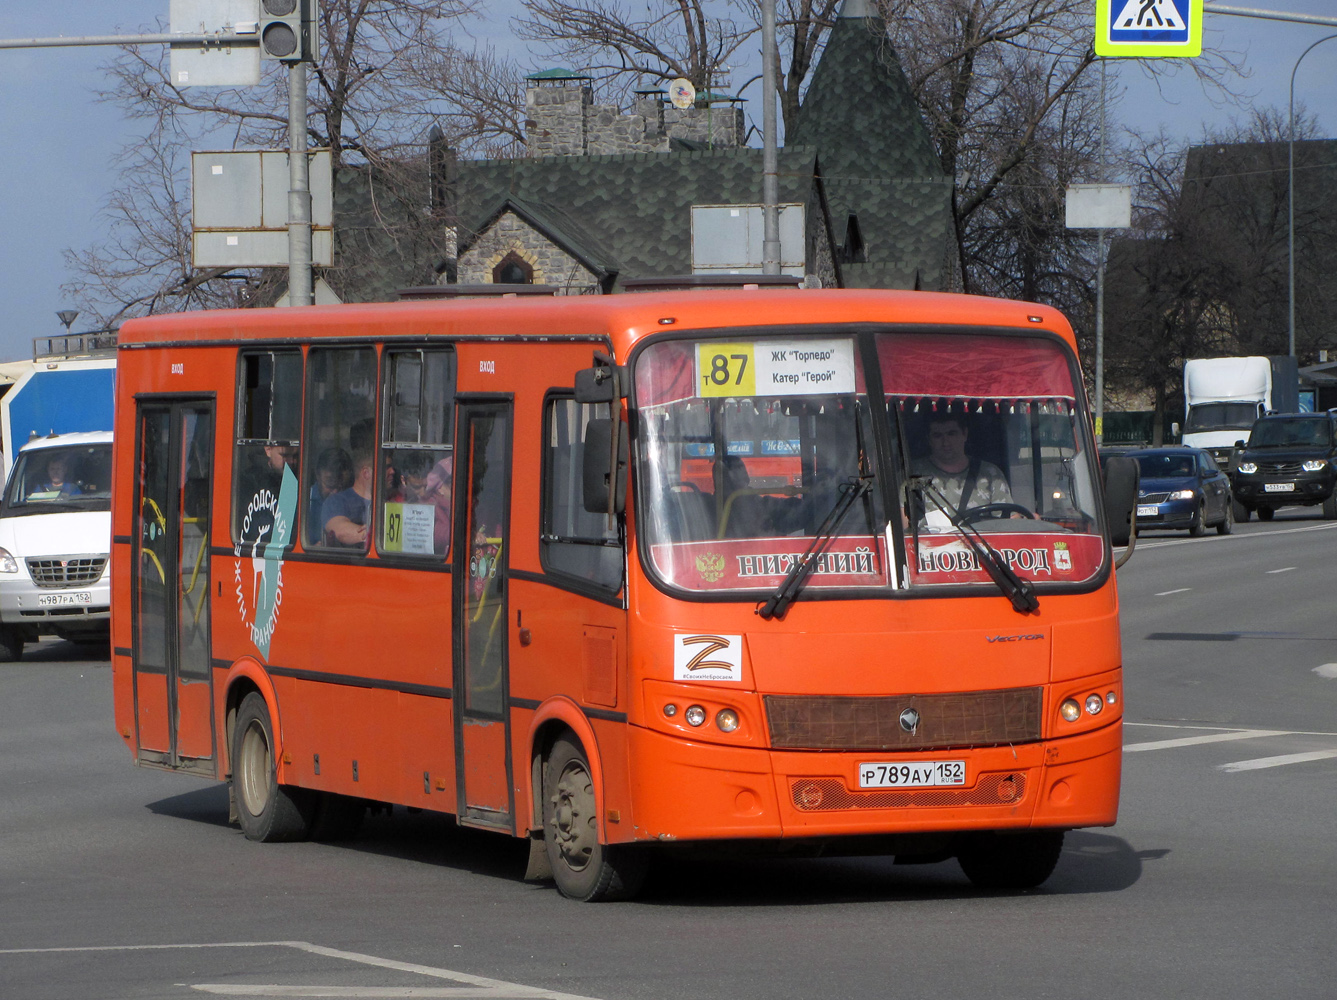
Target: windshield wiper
{"points": [[1018, 590], [775, 606]]}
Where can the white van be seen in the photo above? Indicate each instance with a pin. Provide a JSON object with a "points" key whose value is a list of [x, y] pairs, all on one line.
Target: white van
{"points": [[55, 540]]}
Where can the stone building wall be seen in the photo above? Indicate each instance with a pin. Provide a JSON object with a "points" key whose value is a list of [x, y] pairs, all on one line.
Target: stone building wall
{"points": [[555, 120], [819, 267], [565, 121], [720, 125], [552, 265]]}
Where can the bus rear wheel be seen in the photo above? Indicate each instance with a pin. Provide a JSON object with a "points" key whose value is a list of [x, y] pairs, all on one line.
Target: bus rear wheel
{"points": [[1011, 860], [583, 868], [266, 810]]}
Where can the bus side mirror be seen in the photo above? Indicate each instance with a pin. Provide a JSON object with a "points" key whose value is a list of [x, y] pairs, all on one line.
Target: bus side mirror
{"points": [[1121, 481], [595, 385], [595, 473]]}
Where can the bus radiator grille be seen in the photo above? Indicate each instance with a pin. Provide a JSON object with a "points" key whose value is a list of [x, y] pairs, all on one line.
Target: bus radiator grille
{"points": [[825, 794], [970, 718]]}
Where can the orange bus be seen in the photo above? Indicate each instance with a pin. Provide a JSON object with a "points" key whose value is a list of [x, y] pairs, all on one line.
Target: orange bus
{"points": [[818, 570]]}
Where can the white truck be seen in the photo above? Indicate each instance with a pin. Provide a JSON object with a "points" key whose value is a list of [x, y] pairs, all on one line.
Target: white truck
{"points": [[1222, 399], [55, 537]]}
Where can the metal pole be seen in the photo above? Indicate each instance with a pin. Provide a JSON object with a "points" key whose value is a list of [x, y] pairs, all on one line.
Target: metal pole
{"points": [[1269, 15], [1290, 198], [770, 169], [219, 38], [299, 192], [1100, 284]]}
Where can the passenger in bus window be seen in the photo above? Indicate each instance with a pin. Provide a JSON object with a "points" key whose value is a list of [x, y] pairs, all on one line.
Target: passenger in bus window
{"points": [[346, 514], [334, 472], [436, 490], [963, 481]]}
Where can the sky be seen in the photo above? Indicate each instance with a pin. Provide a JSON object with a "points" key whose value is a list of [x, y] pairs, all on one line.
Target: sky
{"points": [[58, 159]]}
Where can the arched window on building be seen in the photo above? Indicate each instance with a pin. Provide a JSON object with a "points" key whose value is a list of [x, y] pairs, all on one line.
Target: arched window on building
{"points": [[513, 270]]}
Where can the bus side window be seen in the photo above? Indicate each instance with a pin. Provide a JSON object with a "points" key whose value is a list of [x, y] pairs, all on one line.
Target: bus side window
{"points": [[269, 424], [341, 418], [416, 458], [574, 541]]}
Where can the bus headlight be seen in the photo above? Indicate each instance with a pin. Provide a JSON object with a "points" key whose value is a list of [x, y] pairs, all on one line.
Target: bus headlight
{"points": [[726, 719], [1094, 703], [1070, 710], [695, 715], [8, 564]]}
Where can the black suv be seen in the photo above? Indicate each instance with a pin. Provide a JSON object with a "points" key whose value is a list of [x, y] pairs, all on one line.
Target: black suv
{"points": [[1291, 458]]}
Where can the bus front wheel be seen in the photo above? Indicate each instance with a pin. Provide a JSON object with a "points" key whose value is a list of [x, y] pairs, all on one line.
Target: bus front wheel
{"points": [[266, 810], [583, 868], [1011, 860]]}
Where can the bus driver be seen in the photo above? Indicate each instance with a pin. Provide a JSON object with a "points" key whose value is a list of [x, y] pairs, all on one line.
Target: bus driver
{"points": [[963, 481]]}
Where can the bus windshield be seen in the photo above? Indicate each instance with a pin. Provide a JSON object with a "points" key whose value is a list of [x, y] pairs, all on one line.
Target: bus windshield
{"points": [[46, 480], [744, 447]]}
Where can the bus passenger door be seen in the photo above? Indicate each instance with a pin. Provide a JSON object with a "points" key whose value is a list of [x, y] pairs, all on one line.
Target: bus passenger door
{"points": [[172, 670], [481, 691]]}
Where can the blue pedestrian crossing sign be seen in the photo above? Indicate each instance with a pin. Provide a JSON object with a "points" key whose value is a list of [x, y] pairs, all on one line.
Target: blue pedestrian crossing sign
{"points": [[1148, 28]]}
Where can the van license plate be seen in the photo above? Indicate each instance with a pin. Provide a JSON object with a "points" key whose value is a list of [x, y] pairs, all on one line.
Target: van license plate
{"points": [[919, 774], [1278, 487], [58, 600]]}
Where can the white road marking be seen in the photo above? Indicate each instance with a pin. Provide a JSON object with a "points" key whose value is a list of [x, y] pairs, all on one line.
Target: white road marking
{"points": [[1291, 758], [239, 990], [1328, 670], [496, 988], [1284, 569], [1214, 729], [1181, 590], [1237, 537], [1190, 741]]}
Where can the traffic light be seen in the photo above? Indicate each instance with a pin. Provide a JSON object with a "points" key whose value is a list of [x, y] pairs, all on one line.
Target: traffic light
{"points": [[288, 30]]}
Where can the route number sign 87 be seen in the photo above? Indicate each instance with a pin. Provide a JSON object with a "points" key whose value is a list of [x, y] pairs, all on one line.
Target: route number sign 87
{"points": [[726, 369]]}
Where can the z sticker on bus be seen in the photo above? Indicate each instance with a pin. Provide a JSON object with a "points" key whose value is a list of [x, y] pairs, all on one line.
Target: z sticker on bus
{"points": [[707, 657]]}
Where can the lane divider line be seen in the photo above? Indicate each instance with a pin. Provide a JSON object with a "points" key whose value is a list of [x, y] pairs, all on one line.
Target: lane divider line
{"points": [[1192, 741], [489, 987], [1237, 537], [1180, 590], [1284, 569], [1291, 758]]}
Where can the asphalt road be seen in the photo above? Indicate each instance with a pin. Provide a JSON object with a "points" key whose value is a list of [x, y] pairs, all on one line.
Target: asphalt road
{"points": [[1218, 881]]}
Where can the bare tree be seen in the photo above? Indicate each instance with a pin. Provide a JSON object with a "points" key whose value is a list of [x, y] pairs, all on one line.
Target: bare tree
{"points": [[692, 39], [1204, 272], [366, 104]]}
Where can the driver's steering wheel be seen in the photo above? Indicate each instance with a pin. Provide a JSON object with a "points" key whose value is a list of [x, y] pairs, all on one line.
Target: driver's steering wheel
{"points": [[995, 511]]}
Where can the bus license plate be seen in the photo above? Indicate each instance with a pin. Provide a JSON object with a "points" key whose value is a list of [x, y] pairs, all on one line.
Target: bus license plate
{"points": [[1148, 510], [1278, 487], [57, 600], [919, 774]]}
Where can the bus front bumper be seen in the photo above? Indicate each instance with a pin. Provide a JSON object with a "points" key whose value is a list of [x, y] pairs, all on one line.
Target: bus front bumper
{"points": [[685, 791]]}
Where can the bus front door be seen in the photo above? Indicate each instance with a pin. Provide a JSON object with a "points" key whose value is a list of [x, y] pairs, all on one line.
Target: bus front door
{"points": [[172, 676], [481, 691]]}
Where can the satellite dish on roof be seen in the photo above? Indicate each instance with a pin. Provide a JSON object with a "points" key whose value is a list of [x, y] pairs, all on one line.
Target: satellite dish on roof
{"points": [[682, 94]]}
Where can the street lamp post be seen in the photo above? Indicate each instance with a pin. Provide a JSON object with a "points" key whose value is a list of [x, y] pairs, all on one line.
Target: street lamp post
{"points": [[1290, 197]]}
